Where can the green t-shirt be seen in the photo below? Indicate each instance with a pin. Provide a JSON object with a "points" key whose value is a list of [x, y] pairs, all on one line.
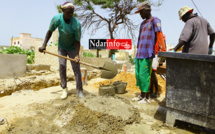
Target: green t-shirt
{"points": [[68, 33]]}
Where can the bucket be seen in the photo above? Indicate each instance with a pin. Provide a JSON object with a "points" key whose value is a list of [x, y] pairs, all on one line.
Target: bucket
{"points": [[124, 68], [84, 76], [106, 90], [113, 56], [119, 87]]}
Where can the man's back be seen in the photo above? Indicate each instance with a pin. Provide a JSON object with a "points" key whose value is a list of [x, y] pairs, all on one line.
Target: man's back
{"points": [[195, 34]]}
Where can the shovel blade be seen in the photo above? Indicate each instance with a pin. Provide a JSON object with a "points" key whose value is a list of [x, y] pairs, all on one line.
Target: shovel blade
{"points": [[109, 70]]}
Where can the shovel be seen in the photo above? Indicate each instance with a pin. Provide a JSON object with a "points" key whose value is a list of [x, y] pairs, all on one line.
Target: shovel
{"points": [[108, 71]]}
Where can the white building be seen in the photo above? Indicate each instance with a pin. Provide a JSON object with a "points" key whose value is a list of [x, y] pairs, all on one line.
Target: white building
{"points": [[25, 41]]}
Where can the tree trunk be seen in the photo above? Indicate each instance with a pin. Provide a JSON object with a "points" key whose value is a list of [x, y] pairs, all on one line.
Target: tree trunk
{"points": [[97, 53], [111, 37]]}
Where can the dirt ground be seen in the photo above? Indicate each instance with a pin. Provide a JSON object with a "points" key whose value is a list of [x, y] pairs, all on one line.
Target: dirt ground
{"points": [[43, 112]]}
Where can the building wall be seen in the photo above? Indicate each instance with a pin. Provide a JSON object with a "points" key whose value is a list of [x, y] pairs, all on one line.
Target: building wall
{"points": [[15, 42], [25, 41], [29, 42]]}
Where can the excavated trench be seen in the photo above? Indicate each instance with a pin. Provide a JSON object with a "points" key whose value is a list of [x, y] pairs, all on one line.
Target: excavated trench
{"points": [[36, 80], [93, 114]]}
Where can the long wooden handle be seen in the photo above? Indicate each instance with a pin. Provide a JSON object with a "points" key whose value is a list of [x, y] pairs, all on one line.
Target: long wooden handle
{"points": [[71, 59]]}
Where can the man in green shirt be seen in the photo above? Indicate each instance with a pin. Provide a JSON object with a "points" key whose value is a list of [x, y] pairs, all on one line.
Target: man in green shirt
{"points": [[68, 45]]}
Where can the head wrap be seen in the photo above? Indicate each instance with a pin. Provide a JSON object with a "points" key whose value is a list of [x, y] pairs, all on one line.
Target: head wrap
{"points": [[67, 5]]}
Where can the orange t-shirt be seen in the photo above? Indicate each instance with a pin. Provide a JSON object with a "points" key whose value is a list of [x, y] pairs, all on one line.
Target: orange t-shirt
{"points": [[160, 43]]}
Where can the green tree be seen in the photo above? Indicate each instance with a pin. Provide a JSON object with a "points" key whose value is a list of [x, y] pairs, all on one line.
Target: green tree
{"points": [[118, 14], [88, 54]]}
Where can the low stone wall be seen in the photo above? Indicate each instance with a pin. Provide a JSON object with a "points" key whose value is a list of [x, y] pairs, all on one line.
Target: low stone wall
{"points": [[94, 61], [38, 67], [41, 58], [12, 65], [38, 77]]}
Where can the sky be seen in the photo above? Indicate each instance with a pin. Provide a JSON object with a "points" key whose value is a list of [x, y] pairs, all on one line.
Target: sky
{"points": [[34, 16]]}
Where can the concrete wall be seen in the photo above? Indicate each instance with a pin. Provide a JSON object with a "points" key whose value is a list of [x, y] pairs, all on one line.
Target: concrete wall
{"points": [[122, 56], [41, 58], [94, 61], [12, 65], [102, 53], [133, 51], [27, 41], [105, 53]]}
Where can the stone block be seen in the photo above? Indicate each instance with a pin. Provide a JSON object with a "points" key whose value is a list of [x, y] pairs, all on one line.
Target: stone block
{"points": [[12, 65], [38, 67], [189, 88]]}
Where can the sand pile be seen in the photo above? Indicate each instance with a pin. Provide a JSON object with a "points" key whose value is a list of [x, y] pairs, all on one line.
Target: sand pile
{"points": [[161, 85], [130, 79]]}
